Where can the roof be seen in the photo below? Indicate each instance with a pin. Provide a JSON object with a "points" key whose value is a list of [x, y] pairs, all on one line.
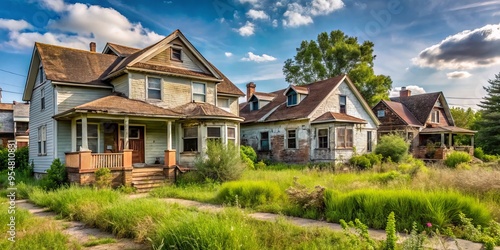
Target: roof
{"points": [[264, 96], [337, 117], [419, 105], [277, 109], [6, 106], [202, 109], [21, 109], [119, 105], [75, 65], [301, 89], [122, 50], [226, 86], [172, 70], [403, 112], [447, 129]]}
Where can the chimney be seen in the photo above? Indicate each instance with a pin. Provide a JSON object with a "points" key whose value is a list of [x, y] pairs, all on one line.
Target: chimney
{"points": [[404, 92], [92, 46], [250, 89]]}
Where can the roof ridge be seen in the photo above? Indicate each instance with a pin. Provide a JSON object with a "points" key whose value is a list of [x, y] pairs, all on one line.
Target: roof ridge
{"points": [[69, 48]]}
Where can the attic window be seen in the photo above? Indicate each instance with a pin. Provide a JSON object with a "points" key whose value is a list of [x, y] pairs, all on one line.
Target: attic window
{"points": [[292, 99], [176, 54], [254, 105], [381, 113], [342, 102], [435, 116]]}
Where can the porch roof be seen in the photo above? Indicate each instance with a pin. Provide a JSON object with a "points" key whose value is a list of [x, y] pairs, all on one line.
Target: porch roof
{"points": [[202, 110], [447, 129], [118, 105], [337, 117]]}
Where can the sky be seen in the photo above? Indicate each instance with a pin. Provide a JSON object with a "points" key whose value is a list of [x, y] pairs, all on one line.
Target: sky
{"points": [[451, 46]]}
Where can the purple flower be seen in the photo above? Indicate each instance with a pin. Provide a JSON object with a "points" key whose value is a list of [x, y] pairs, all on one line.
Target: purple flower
{"points": [[429, 224]]}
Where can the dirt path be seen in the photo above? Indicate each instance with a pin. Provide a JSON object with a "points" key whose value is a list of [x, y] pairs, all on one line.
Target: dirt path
{"points": [[77, 231]]}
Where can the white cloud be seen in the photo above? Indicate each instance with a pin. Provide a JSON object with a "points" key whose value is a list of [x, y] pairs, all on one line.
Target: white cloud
{"points": [[275, 23], [14, 25], [246, 30], [257, 58], [257, 14], [228, 54], [251, 2], [78, 24], [415, 90], [325, 7], [458, 75], [468, 49], [297, 15]]}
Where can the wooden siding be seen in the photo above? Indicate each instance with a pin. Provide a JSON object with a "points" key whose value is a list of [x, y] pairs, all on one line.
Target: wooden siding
{"points": [[443, 120], [39, 118], [70, 97], [390, 118], [155, 141], [63, 138], [121, 84]]}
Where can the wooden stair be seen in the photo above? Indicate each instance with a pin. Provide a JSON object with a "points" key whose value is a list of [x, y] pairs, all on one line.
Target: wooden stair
{"points": [[146, 178]]}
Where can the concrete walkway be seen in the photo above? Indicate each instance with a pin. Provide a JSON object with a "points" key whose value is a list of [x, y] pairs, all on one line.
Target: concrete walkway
{"points": [[433, 243]]}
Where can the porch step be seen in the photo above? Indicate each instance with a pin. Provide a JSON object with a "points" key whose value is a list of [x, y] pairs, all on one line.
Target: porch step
{"points": [[147, 170], [143, 187], [142, 174], [146, 178]]}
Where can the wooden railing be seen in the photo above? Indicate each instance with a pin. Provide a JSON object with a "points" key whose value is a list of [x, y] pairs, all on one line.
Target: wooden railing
{"points": [[73, 159], [107, 160]]}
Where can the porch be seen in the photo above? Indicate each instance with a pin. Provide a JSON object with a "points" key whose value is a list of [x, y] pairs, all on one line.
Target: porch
{"points": [[437, 143]]}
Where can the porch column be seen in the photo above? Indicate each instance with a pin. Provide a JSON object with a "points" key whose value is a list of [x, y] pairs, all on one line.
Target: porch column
{"points": [[224, 134], [73, 135], [442, 139], [170, 159], [85, 139], [125, 133], [450, 137], [169, 135], [472, 141]]}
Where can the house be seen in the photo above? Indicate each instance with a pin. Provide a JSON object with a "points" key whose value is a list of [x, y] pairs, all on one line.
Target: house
{"points": [[323, 121], [14, 119], [425, 121], [6, 123], [126, 108]]}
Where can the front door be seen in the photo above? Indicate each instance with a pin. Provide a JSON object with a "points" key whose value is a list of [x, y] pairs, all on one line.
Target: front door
{"points": [[136, 142]]}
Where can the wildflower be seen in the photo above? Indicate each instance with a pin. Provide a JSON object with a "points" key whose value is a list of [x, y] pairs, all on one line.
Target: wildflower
{"points": [[429, 224]]}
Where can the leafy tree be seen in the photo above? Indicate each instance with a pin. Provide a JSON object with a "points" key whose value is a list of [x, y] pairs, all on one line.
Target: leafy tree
{"points": [[465, 118], [489, 135], [335, 54]]}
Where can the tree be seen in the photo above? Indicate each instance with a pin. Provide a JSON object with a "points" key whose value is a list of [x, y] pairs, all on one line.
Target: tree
{"points": [[464, 119], [335, 54], [489, 124]]}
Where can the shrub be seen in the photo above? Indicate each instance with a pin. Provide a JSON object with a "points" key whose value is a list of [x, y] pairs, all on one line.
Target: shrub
{"points": [[260, 165], [56, 176], [103, 178], [456, 158], [249, 152], [247, 161], [249, 193], [489, 158], [479, 153], [392, 147], [390, 230], [189, 178], [221, 162], [306, 199], [360, 161]]}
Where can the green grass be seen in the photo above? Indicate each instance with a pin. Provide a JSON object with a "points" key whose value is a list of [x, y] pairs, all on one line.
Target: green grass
{"points": [[249, 193], [204, 192], [99, 241]]}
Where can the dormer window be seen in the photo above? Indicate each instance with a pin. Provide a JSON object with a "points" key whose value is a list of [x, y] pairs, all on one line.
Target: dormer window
{"points": [[176, 54], [380, 113], [254, 105], [342, 103], [435, 116], [292, 98]]}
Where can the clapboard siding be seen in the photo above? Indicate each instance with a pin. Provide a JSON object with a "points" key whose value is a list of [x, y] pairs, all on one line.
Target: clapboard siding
{"points": [[156, 141], [38, 118], [70, 97], [63, 138], [121, 84]]}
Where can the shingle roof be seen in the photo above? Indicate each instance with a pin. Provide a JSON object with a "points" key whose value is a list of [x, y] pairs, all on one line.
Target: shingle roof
{"points": [[403, 112], [264, 96], [21, 109], [122, 50], [337, 117], [277, 109], [226, 86], [301, 89], [6, 106], [172, 70], [202, 109], [74, 65], [447, 129], [419, 105]]}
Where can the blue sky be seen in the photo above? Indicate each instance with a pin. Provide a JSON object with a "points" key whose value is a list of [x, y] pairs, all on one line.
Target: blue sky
{"points": [[450, 46]]}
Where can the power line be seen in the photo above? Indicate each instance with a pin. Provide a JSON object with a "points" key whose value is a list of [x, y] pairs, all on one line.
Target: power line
{"points": [[10, 72], [15, 85], [465, 98], [11, 92]]}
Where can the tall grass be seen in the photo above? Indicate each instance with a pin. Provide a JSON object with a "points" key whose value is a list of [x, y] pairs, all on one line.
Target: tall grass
{"points": [[373, 206], [249, 193]]}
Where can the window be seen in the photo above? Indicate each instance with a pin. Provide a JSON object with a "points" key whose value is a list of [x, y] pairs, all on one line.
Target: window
{"points": [[344, 137], [176, 54], [264, 141], [21, 128], [323, 138], [231, 135], [254, 105], [381, 113], [42, 140], [154, 88], [292, 99], [92, 136], [223, 103], [42, 98], [133, 133], [191, 139], [198, 92], [435, 116], [342, 100], [291, 138], [369, 141], [213, 133], [41, 75]]}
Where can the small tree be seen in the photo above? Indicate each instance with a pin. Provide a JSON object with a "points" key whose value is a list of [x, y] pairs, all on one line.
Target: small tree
{"points": [[221, 162], [103, 178], [56, 176], [392, 146]]}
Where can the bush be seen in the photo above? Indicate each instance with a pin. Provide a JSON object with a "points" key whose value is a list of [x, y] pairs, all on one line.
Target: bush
{"points": [[249, 193], [365, 161], [249, 152], [189, 178], [392, 147], [479, 153], [103, 178], [221, 162], [306, 199], [56, 176], [260, 165], [456, 158]]}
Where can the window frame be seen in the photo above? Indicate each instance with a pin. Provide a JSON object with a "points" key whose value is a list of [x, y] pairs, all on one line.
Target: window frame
{"points": [[267, 139], [90, 137], [291, 139], [173, 52], [216, 138], [41, 74], [193, 94], [435, 116], [148, 88], [42, 140], [290, 99], [343, 136], [226, 101], [254, 105], [369, 141], [42, 98], [233, 139], [343, 107], [381, 113], [327, 138], [190, 138]]}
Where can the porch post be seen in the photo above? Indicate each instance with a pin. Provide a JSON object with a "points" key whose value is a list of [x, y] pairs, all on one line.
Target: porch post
{"points": [[224, 133], [170, 159], [125, 133], [169, 135], [85, 139], [472, 141], [73, 135], [450, 137], [442, 139]]}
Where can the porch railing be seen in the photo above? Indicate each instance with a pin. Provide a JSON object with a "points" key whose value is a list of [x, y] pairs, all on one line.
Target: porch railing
{"points": [[107, 160]]}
